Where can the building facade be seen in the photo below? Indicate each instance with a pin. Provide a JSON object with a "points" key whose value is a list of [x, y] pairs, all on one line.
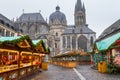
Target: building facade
{"points": [[7, 27], [59, 36], [70, 37], [110, 31], [34, 25], [58, 24]]}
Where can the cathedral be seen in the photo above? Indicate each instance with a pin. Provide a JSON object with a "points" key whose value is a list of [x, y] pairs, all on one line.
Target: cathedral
{"points": [[71, 37], [59, 36]]}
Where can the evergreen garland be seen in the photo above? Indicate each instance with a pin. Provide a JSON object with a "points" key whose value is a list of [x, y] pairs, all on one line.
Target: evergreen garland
{"points": [[42, 44], [16, 41], [111, 67], [48, 50]]}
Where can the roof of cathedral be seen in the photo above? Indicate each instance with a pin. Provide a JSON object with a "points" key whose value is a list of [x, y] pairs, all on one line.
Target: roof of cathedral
{"points": [[110, 30], [58, 15], [78, 30], [31, 17], [6, 20]]}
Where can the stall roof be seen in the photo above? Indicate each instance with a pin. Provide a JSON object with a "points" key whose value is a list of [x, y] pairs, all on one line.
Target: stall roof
{"points": [[22, 41], [39, 43], [35, 41], [106, 43], [9, 38]]}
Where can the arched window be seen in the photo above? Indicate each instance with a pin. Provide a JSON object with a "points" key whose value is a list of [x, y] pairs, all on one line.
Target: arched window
{"points": [[55, 45], [7, 25], [7, 33], [50, 42], [91, 41], [82, 43], [56, 34], [25, 29], [2, 22], [79, 18], [64, 42], [32, 30], [74, 42], [68, 42]]}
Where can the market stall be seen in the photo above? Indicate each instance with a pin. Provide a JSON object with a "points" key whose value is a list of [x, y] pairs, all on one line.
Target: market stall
{"points": [[8, 62], [65, 60], [113, 57], [106, 54], [18, 57], [44, 51], [83, 57]]}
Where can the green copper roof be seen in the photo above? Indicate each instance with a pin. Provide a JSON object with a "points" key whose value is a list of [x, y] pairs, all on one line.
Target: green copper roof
{"points": [[9, 38], [106, 43]]}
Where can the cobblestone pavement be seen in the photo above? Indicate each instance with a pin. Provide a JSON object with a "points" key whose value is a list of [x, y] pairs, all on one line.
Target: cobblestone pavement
{"points": [[91, 74], [54, 73]]}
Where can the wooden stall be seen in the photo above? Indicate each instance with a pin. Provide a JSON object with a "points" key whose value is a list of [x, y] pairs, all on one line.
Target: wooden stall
{"points": [[83, 57], [67, 60], [44, 51], [113, 57], [18, 57], [106, 54]]}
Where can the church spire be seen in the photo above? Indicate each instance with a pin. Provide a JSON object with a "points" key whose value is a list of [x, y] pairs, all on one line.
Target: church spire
{"points": [[78, 6], [83, 7], [79, 15]]}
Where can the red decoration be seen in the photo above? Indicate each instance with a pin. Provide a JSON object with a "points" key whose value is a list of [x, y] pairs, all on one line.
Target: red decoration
{"points": [[13, 57], [118, 43]]}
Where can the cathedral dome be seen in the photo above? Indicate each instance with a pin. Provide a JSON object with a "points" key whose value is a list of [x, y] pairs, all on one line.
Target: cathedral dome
{"points": [[57, 17]]}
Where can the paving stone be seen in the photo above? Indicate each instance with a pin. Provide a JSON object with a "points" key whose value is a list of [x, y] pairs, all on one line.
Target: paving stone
{"points": [[91, 74], [54, 73]]}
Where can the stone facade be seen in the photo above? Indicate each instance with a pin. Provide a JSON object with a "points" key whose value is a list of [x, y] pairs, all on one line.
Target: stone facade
{"points": [[7, 27], [59, 36], [34, 25], [70, 37], [58, 23]]}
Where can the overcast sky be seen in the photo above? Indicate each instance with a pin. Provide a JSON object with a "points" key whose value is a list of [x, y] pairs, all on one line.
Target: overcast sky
{"points": [[99, 13]]}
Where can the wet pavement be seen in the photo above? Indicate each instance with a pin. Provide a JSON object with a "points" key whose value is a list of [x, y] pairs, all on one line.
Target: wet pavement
{"points": [[60, 73], [91, 74], [54, 73]]}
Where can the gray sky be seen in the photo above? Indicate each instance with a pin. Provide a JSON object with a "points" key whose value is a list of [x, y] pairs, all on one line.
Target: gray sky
{"points": [[99, 13]]}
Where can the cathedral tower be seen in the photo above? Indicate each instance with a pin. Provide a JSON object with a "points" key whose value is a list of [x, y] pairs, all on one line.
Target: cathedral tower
{"points": [[79, 14], [58, 23]]}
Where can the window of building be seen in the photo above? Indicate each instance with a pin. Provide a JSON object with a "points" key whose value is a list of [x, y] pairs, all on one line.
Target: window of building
{"points": [[74, 42], [91, 41], [82, 43], [2, 22], [7, 33], [55, 45], [68, 42], [56, 34], [64, 42], [12, 34], [50, 42], [7, 25]]}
